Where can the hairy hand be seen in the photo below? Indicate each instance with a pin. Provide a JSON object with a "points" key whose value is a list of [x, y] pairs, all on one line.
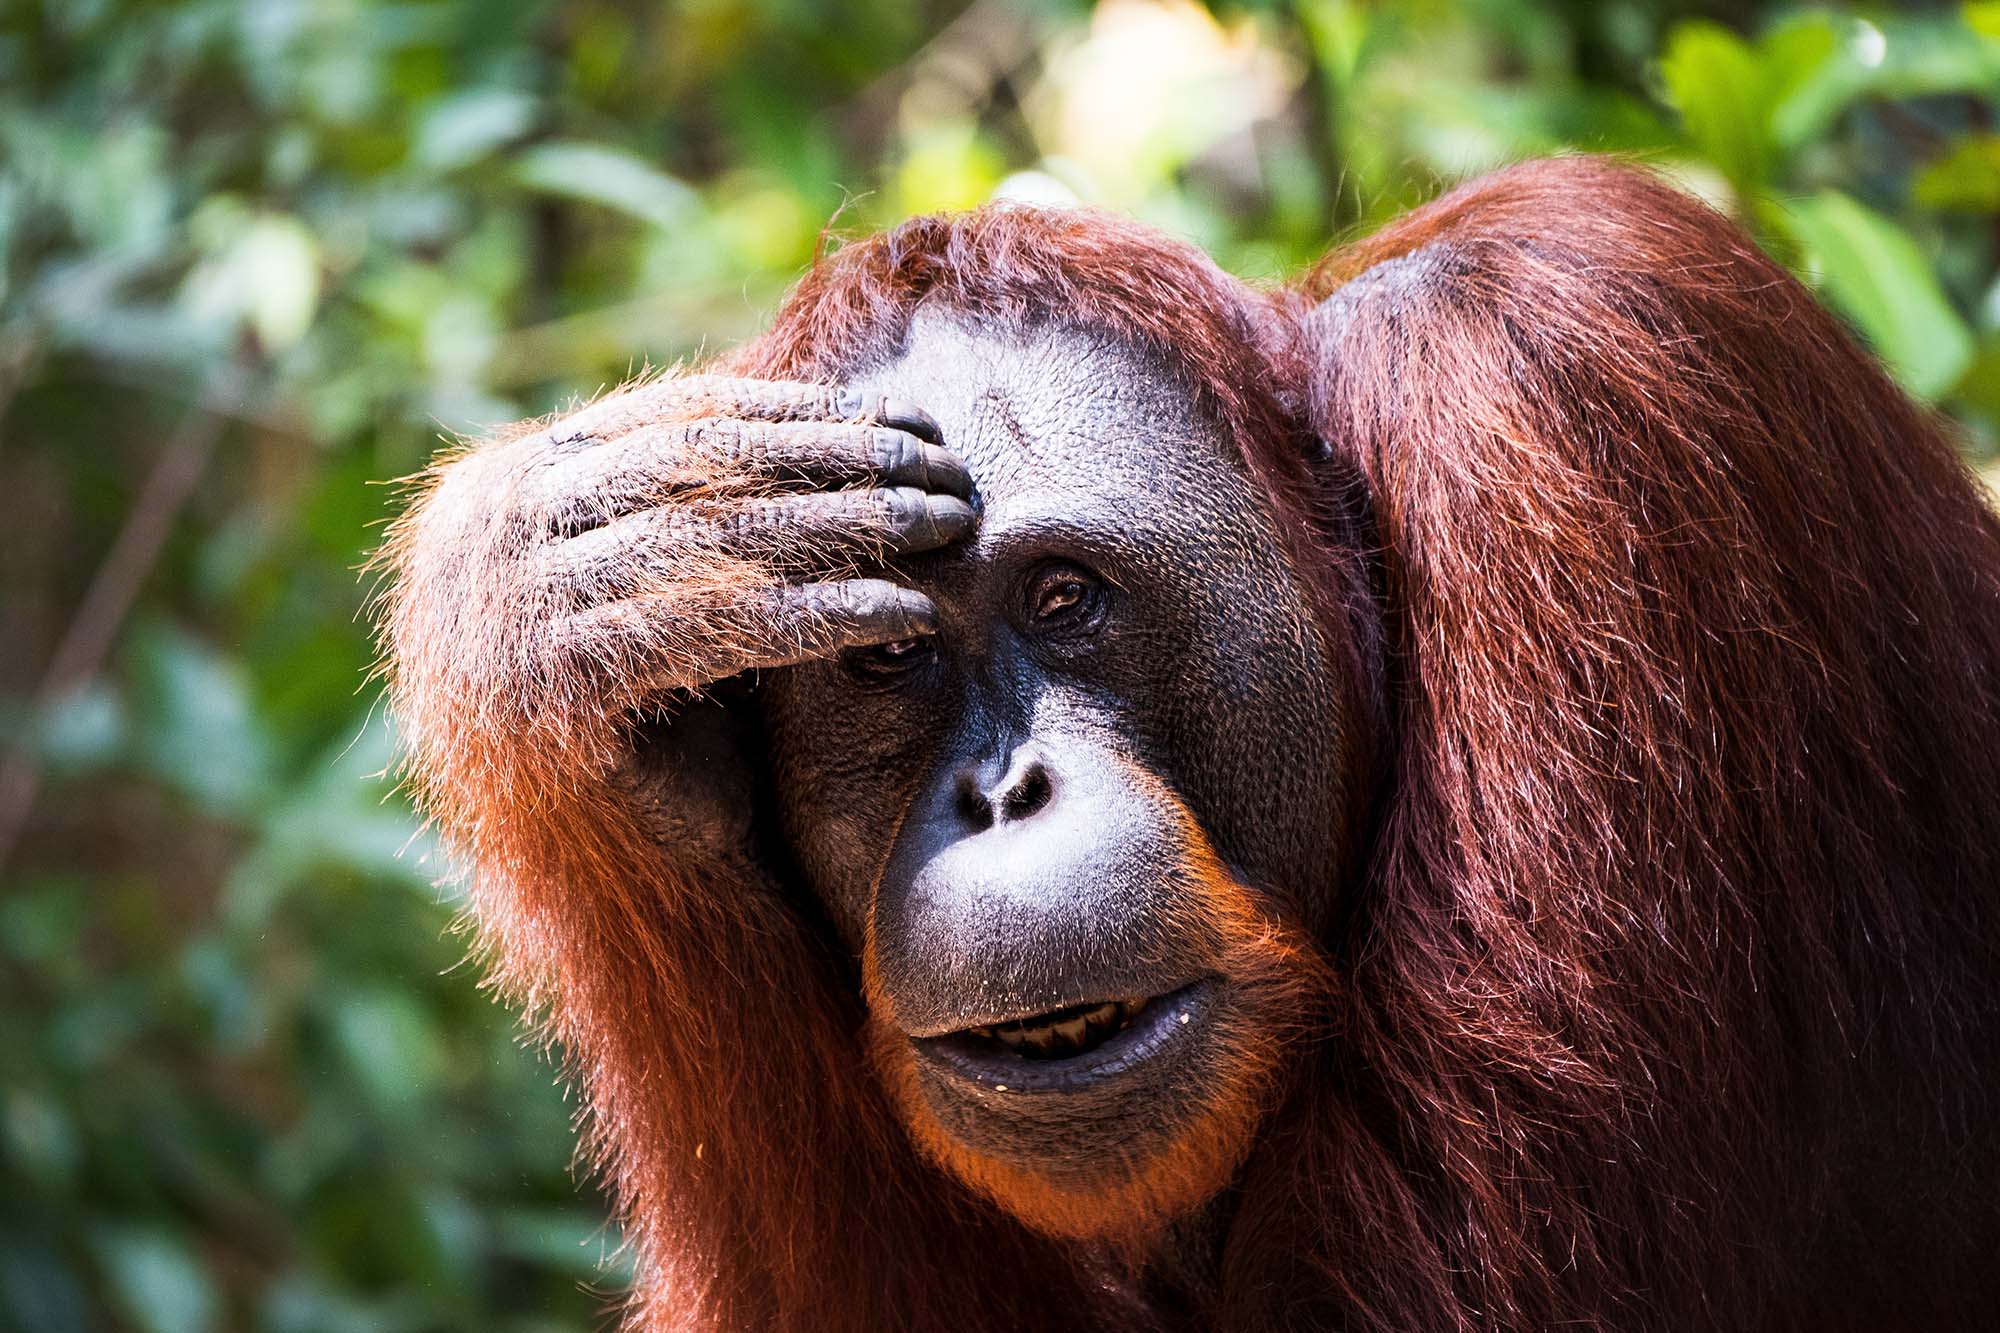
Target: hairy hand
{"points": [[550, 587]]}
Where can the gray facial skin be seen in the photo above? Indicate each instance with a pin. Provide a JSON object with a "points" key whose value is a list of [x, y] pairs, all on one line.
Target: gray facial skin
{"points": [[1002, 802]]}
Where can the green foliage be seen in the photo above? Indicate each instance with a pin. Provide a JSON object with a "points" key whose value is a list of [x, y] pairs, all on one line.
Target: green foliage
{"points": [[1872, 270], [250, 1083]]}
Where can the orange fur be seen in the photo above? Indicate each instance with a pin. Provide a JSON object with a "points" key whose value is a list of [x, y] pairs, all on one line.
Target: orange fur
{"points": [[1667, 966]]}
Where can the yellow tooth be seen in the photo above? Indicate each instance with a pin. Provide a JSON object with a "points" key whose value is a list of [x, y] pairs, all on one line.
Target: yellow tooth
{"points": [[1072, 1030]]}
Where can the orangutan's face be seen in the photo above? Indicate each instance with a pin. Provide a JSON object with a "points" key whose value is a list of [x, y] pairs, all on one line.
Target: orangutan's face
{"points": [[1072, 835]]}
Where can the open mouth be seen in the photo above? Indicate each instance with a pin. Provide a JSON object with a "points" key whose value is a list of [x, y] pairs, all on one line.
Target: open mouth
{"points": [[1070, 1048], [1064, 1032]]}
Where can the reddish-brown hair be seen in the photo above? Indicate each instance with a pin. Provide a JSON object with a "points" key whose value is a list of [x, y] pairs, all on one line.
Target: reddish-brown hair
{"points": [[1678, 631], [1684, 891]]}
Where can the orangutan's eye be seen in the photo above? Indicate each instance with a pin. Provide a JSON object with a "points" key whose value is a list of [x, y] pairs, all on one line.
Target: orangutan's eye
{"points": [[883, 663], [1063, 596]]}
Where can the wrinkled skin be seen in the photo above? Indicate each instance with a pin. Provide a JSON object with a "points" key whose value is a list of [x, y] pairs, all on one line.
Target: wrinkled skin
{"points": [[1202, 665], [995, 819]]}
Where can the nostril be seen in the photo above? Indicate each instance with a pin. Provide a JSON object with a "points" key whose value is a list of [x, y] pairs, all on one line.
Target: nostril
{"points": [[1028, 795], [973, 806]]}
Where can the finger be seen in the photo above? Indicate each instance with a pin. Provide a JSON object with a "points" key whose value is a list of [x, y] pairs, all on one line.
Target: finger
{"points": [[894, 520], [682, 397], [826, 618], [648, 467], [790, 529], [784, 400], [772, 627], [903, 415], [829, 454], [669, 458]]}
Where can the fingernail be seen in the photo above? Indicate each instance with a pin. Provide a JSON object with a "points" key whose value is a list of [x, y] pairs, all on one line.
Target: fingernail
{"points": [[919, 612], [952, 516], [906, 415]]}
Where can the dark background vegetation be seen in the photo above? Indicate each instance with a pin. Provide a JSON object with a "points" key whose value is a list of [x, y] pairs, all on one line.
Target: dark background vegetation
{"points": [[257, 258]]}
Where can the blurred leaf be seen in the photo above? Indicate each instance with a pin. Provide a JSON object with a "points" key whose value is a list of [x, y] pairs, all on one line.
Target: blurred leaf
{"points": [[467, 126], [1794, 56], [1966, 180], [1338, 30], [389, 1045], [107, 182], [1739, 102], [561, 1239], [767, 226], [302, 1303], [340, 815], [948, 167], [199, 734], [1895, 57], [161, 1285], [1979, 387], [1713, 78], [610, 177], [39, 1292], [42, 922], [261, 269], [83, 731], [40, 1137], [1875, 274]]}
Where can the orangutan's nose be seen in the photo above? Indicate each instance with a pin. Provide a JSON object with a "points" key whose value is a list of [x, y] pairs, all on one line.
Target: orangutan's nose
{"points": [[1003, 792]]}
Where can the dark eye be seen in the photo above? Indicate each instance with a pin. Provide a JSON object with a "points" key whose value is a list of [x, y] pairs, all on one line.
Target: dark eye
{"points": [[883, 663], [1063, 596]]}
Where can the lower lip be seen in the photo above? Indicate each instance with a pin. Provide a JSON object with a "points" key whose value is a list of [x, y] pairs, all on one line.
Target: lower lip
{"points": [[1166, 1023]]}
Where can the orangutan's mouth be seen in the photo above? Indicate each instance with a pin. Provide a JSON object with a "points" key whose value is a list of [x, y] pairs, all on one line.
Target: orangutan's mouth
{"points": [[1062, 1033], [1066, 1049]]}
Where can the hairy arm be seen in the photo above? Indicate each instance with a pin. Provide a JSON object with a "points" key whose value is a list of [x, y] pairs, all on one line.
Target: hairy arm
{"points": [[550, 592]]}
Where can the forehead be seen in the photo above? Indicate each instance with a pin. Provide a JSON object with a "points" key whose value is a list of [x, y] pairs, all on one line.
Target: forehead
{"points": [[1052, 418]]}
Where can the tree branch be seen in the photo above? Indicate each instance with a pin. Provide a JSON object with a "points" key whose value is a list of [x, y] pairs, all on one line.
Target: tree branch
{"points": [[94, 628]]}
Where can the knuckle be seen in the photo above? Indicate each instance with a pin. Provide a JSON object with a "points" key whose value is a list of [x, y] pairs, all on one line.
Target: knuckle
{"points": [[892, 449], [837, 601], [712, 436], [733, 389], [850, 404], [758, 442], [747, 517], [852, 599], [873, 510], [766, 398], [794, 402], [904, 513]]}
